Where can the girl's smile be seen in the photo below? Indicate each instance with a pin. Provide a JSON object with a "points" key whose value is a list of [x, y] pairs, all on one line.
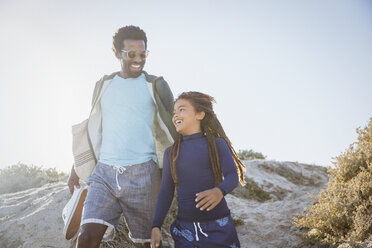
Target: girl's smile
{"points": [[185, 118]]}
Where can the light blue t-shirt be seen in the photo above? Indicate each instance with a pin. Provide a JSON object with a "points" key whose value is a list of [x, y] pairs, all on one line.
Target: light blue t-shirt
{"points": [[127, 122]]}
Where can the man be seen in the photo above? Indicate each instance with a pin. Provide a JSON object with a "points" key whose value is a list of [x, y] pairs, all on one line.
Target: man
{"points": [[129, 128]]}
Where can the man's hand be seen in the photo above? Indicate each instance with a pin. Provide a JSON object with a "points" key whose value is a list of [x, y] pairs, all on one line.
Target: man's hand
{"points": [[209, 198], [155, 237], [73, 180]]}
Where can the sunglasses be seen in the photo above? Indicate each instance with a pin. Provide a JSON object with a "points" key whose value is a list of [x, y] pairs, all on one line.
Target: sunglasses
{"points": [[131, 54]]}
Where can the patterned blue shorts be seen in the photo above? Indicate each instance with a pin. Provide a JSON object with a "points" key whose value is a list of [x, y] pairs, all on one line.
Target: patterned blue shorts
{"points": [[131, 191], [206, 234]]}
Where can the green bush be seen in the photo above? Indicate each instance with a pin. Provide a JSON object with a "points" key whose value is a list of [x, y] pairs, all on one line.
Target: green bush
{"points": [[251, 190], [21, 177], [238, 221], [250, 155], [343, 212]]}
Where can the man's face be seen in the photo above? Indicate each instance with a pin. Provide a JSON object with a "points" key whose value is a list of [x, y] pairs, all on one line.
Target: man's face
{"points": [[133, 58]]}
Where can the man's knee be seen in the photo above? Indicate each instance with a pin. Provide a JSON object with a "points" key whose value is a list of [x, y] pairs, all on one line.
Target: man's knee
{"points": [[91, 237], [86, 239]]}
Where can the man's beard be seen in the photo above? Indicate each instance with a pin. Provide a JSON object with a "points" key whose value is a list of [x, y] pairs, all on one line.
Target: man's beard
{"points": [[133, 74]]}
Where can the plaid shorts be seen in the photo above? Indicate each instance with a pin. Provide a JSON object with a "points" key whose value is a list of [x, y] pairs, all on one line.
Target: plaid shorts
{"points": [[131, 190]]}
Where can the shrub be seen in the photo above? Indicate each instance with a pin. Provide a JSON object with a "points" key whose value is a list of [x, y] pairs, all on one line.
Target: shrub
{"points": [[238, 221], [344, 210], [21, 177], [251, 190], [250, 155]]}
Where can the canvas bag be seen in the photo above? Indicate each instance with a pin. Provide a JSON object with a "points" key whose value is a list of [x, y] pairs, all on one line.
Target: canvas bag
{"points": [[83, 153]]}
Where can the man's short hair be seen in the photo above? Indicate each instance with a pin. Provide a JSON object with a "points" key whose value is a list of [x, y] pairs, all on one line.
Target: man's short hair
{"points": [[127, 33]]}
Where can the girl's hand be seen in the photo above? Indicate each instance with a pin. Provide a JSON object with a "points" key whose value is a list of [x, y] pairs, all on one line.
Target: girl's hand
{"points": [[155, 237], [209, 198]]}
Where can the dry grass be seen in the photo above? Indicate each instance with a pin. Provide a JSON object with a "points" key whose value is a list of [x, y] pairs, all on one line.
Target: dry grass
{"points": [[21, 177]]}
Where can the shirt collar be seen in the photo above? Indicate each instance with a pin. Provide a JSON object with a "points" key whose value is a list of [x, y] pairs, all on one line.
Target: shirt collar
{"points": [[193, 136]]}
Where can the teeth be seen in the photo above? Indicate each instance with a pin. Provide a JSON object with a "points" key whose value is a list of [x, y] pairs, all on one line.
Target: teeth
{"points": [[178, 122], [136, 66]]}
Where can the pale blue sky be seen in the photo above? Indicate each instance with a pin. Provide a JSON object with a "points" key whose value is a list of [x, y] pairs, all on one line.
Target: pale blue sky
{"points": [[292, 79]]}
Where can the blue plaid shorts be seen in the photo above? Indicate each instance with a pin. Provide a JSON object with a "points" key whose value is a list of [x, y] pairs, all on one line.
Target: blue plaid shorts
{"points": [[128, 190]]}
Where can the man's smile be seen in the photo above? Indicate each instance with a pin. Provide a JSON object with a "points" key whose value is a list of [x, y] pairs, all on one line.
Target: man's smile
{"points": [[135, 67]]}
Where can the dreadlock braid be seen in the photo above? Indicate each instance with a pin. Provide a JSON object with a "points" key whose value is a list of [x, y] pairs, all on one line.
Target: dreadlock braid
{"points": [[174, 154], [212, 128]]}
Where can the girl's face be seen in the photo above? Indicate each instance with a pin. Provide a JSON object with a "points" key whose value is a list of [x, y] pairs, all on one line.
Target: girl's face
{"points": [[185, 118]]}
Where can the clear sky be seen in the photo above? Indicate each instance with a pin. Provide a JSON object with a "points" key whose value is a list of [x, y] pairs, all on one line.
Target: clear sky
{"points": [[292, 79]]}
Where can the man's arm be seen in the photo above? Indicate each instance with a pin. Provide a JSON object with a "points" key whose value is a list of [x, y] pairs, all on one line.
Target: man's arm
{"points": [[165, 94], [96, 90]]}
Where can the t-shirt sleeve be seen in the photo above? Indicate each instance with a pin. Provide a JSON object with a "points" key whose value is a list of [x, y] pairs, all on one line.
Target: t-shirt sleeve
{"points": [[166, 192], [228, 167]]}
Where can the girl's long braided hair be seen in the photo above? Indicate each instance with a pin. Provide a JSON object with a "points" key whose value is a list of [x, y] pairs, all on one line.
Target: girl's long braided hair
{"points": [[212, 129]]}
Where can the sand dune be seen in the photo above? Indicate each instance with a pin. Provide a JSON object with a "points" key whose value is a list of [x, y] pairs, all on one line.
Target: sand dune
{"points": [[32, 218]]}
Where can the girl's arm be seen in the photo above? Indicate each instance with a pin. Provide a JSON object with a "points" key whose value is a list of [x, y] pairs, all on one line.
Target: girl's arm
{"points": [[208, 199], [228, 167], [166, 193]]}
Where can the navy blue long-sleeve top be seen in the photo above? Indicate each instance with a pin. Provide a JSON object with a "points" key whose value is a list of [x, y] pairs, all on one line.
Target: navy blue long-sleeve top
{"points": [[194, 172]]}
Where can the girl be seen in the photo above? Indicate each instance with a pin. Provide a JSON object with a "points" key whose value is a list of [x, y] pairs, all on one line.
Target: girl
{"points": [[204, 167]]}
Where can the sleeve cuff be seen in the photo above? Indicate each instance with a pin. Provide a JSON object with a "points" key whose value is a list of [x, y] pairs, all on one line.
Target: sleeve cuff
{"points": [[156, 226], [223, 191]]}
